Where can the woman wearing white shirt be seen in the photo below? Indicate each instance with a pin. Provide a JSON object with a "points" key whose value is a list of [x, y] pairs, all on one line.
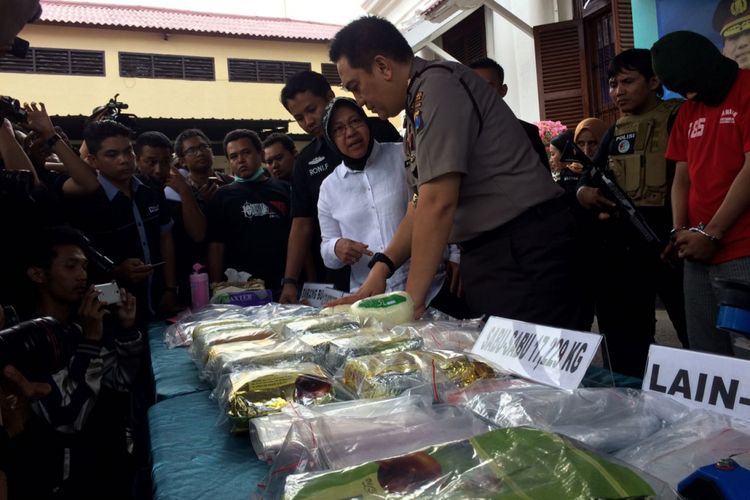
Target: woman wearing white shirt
{"points": [[363, 200]]}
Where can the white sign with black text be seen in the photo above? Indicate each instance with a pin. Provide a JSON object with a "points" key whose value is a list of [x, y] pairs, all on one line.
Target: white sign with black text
{"points": [[319, 294], [700, 380], [547, 355]]}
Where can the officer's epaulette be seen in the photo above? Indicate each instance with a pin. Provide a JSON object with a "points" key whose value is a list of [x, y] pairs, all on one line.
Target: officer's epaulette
{"points": [[461, 80]]}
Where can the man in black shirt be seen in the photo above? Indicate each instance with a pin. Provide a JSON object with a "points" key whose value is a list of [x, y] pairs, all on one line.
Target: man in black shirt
{"points": [[125, 219], [280, 153], [153, 157], [248, 220], [187, 194], [305, 96]]}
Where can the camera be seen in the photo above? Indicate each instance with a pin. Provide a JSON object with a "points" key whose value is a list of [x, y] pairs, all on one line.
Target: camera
{"points": [[11, 109], [113, 111], [37, 347], [109, 293]]}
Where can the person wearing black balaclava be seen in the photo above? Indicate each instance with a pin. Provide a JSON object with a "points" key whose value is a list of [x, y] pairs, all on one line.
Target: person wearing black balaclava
{"points": [[363, 201], [710, 142]]}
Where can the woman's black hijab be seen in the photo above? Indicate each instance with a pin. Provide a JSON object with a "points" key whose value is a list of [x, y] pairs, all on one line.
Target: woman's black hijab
{"points": [[336, 103]]}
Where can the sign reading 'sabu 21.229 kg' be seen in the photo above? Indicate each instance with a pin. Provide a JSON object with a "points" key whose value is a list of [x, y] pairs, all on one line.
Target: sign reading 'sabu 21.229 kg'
{"points": [[547, 355]]}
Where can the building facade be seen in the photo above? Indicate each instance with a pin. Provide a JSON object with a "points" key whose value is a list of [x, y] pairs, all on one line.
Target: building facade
{"points": [[554, 52], [174, 69]]}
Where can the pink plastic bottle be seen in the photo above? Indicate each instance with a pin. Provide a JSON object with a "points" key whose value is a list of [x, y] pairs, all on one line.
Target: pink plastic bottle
{"points": [[198, 287]]}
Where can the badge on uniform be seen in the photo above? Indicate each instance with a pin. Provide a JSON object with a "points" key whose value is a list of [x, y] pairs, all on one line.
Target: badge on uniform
{"points": [[418, 122], [625, 143]]}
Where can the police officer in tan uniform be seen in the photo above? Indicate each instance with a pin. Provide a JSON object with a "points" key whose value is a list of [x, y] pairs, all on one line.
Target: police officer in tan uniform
{"points": [[629, 275], [477, 182]]}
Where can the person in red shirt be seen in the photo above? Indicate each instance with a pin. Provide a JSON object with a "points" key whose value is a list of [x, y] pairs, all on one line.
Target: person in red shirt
{"points": [[710, 142]]}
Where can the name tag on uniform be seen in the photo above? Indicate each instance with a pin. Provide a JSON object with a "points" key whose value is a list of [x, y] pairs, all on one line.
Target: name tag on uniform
{"points": [[625, 143], [322, 167]]}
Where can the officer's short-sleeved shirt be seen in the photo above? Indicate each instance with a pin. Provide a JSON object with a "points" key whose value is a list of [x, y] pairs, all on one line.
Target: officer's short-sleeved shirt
{"points": [[456, 123]]}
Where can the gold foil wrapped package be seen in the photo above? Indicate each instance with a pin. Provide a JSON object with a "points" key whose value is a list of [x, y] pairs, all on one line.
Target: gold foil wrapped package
{"points": [[369, 341], [387, 375], [262, 391]]}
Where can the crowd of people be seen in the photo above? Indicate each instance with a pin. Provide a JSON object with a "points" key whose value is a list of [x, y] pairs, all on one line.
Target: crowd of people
{"points": [[468, 212]]}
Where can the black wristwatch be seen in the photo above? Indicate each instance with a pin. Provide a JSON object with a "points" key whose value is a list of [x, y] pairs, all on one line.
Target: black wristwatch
{"points": [[289, 281], [381, 257]]}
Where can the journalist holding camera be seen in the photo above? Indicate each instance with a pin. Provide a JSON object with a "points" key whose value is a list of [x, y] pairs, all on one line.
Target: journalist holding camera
{"points": [[67, 376], [38, 168]]}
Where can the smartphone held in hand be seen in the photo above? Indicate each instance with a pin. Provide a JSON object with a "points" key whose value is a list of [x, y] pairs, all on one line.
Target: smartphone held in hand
{"points": [[109, 293]]}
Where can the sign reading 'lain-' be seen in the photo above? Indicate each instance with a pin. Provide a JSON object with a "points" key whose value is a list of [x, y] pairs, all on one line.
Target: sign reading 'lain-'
{"points": [[700, 380], [543, 354]]}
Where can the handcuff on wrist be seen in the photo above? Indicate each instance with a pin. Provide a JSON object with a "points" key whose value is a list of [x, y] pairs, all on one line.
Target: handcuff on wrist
{"points": [[673, 232], [700, 229]]}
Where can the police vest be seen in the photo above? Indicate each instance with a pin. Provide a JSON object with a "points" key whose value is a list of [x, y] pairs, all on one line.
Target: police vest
{"points": [[637, 154]]}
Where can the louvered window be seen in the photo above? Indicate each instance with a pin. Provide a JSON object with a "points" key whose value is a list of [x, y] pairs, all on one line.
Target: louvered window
{"points": [[561, 72], [331, 73], [56, 62], [623, 25], [466, 41], [256, 70], [166, 66]]}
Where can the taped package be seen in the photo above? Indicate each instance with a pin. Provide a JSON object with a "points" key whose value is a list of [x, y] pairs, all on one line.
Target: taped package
{"points": [[206, 337], [456, 335], [504, 463], [605, 419], [272, 316], [276, 316], [337, 323], [335, 441], [241, 356], [392, 308], [701, 438], [268, 433], [181, 332], [261, 391], [368, 341], [388, 375]]}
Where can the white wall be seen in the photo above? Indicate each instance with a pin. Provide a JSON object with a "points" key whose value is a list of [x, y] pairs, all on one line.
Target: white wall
{"points": [[514, 50], [511, 47]]}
